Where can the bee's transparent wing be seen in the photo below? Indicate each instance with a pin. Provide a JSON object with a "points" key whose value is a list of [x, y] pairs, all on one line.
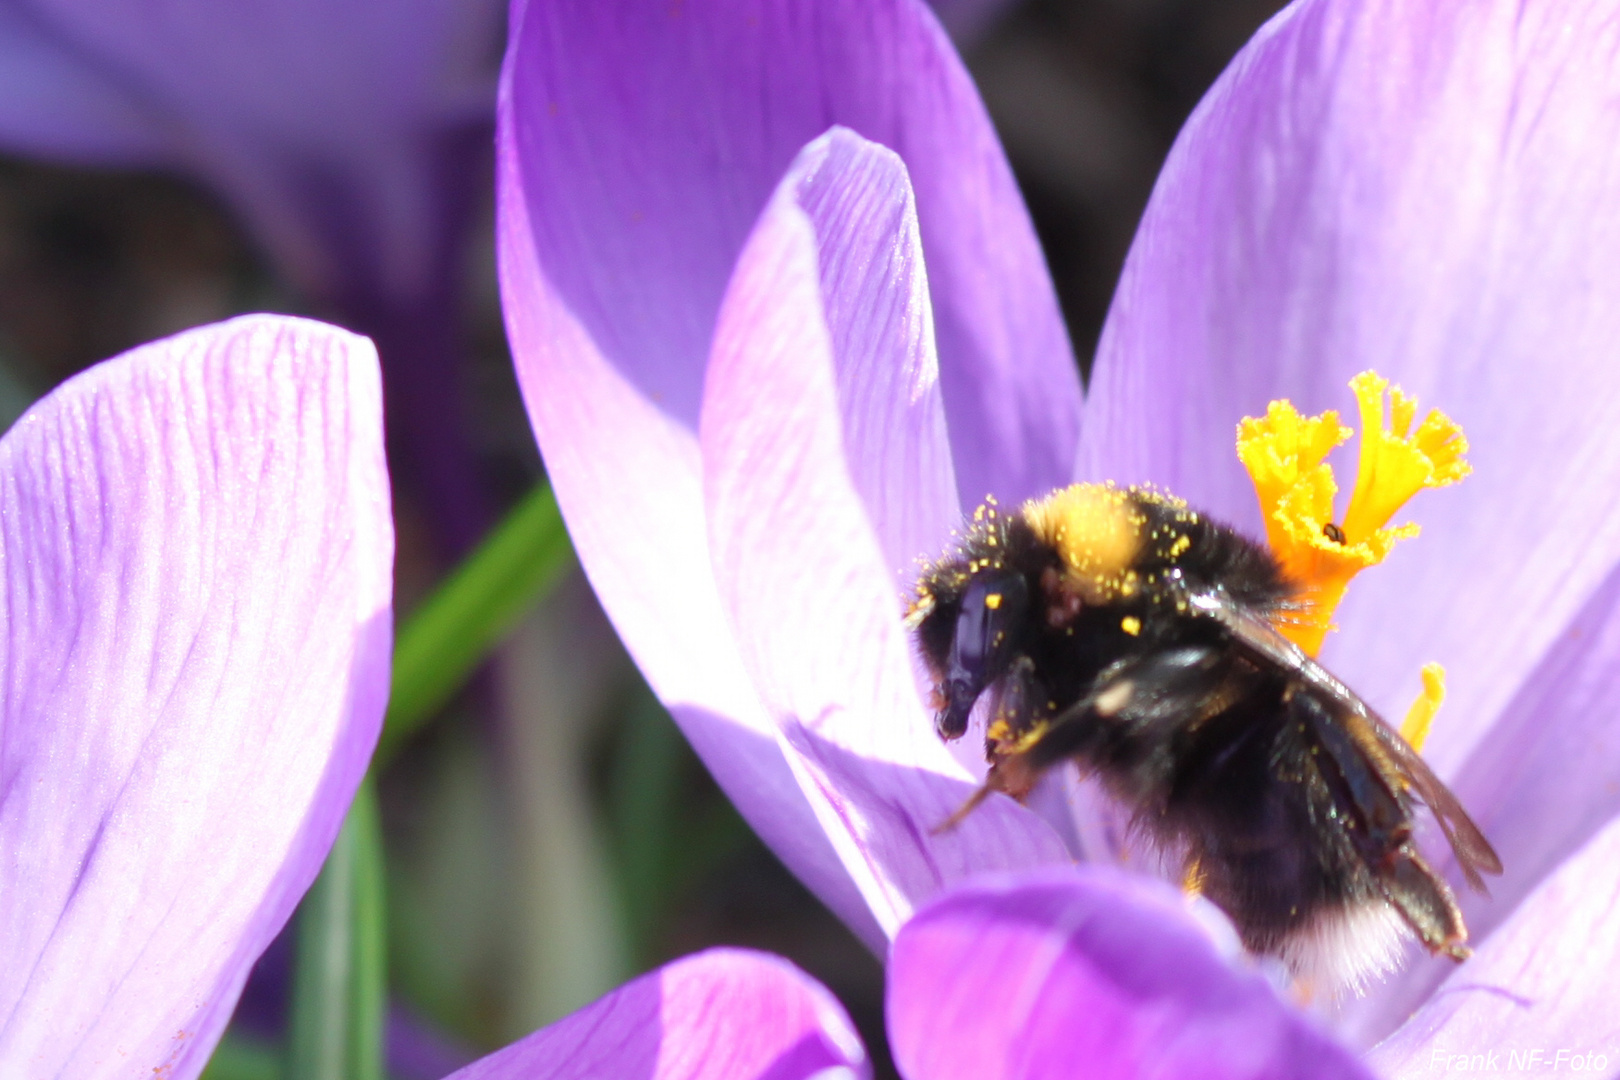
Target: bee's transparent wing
{"points": [[1474, 852], [1378, 741]]}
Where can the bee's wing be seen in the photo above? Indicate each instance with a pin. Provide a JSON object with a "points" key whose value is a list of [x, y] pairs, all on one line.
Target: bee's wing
{"points": [[1249, 629], [1377, 741], [1474, 852]]}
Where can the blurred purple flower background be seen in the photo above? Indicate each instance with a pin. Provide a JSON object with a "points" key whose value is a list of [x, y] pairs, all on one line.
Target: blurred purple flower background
{"points": [[757, 410], [350, 137]]}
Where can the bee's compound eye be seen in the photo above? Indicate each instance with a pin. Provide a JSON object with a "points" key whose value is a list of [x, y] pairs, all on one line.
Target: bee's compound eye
{"points": [[988, 636]]}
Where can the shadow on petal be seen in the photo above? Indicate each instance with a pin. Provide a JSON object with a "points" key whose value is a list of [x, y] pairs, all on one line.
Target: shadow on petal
{"points": [[886, 819]]}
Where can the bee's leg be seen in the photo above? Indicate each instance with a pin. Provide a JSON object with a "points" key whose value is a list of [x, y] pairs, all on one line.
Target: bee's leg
{"points": [[1022, 720], [1020, 703], [1132, 699], [1380, 826], [1012, 775], [1163, 687], [1425, 902], [1358, 780]]}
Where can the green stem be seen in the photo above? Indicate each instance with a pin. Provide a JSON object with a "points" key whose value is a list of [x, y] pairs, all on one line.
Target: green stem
{"points": [[339, 994]]}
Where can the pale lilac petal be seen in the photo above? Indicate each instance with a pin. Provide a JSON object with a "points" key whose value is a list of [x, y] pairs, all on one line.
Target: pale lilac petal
{"points": [[650, 138], [1544, 982], [1543, 783], [1087, 971], [1548, 777], [1431, 190], [818, 405], [328, 125], [870, 293], [638, 145], [725, 1014], [628, 479], [197, 552]]}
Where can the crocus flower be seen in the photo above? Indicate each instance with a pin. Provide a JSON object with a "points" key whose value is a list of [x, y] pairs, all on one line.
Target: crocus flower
{"points": [[766, 378], [348, 136], [197, 552]]}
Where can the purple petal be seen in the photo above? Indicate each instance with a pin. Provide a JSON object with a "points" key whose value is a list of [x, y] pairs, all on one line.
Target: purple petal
{"points": [[1430, 190], [197, 553], [1544, 982], [1086, 971], [636, 154], [649, 139], [654, 581], [819, 420], [1544, 782], [724, 1014]]}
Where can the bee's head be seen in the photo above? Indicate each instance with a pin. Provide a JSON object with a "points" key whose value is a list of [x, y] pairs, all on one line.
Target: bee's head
{"points": [[989, 632]]}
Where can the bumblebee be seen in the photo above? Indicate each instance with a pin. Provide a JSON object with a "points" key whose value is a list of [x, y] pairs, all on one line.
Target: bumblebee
{"points": [[1120, 629]]}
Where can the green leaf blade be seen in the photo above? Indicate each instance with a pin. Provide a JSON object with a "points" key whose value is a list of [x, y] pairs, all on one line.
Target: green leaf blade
{"points": [[476, 606]]}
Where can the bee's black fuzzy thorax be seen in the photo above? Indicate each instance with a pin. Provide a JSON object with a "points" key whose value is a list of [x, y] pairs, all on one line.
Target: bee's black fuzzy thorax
{"points": [[1096, 598], [1121, 629]]}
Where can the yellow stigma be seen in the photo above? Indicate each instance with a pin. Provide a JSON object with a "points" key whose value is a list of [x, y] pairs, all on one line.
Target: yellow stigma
{"points": [[1285, 454], [1415, 728]]}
